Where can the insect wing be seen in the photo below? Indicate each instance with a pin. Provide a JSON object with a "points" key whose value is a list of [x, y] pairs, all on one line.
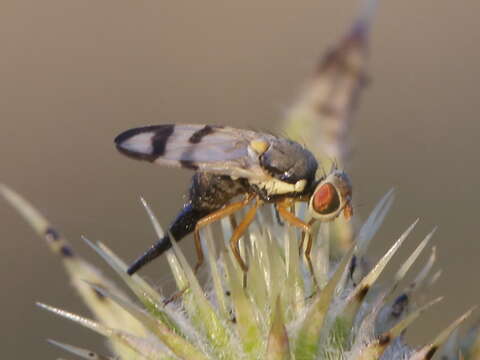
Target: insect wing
{"points": [[215, 149]]}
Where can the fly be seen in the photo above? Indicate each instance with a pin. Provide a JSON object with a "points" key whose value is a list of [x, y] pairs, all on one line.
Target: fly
{"points": [[231, 163]]}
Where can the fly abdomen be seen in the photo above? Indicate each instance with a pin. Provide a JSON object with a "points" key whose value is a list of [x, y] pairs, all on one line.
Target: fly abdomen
{"points": [[208, 193], [183, 225]]}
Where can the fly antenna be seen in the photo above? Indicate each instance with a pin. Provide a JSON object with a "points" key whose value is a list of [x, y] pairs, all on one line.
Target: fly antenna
{"points": [[334, 164], [323, 174]]}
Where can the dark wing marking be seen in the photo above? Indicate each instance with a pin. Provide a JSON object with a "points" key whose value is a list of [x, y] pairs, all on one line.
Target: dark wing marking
{"points": [[198, 135], [215, 149], [158, 141]]}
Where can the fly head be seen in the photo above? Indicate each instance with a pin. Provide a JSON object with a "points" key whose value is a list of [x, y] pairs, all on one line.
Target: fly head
{"points": [[331, 196]]}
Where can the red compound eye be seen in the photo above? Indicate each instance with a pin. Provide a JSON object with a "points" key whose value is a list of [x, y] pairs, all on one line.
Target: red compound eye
{"points": [[326, 199]]}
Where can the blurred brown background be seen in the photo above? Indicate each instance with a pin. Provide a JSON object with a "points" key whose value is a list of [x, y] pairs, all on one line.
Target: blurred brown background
{"points": [[73, 74]]}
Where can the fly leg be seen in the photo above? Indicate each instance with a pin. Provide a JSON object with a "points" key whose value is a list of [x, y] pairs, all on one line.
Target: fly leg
{"points": [[283, 210], [206, 220], [211, 218], [278, 218], [308, 250], [239, 231], [233, 221]]}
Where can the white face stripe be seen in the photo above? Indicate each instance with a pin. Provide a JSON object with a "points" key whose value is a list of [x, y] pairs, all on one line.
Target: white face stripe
{"points": [[277, 187]]}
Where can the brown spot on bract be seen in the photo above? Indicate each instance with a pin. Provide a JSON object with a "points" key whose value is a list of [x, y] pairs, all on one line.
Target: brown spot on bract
{"points": [[51, 234], [327, 110], [400, 305], [362, 293], [353, 266], [187, 164], [98, 294], [431, 352], [384, 340], [66, 251], [200, 134]]}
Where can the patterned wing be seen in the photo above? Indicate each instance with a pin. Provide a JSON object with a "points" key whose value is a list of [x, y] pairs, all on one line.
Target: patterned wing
{"points": [[215, 149]]}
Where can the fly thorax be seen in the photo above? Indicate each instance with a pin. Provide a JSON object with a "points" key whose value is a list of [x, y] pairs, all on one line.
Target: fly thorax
{"points": [[289, 163]]}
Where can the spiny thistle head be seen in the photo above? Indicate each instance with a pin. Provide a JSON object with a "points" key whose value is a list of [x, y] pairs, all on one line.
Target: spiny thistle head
{"points": [[280, 310]]}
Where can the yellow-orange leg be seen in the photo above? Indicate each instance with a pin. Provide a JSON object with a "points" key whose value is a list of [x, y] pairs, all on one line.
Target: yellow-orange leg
{"points": [[211, 218], [308, 249], [176, 295], [282, 208], [239, 231], [233, 221]]}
